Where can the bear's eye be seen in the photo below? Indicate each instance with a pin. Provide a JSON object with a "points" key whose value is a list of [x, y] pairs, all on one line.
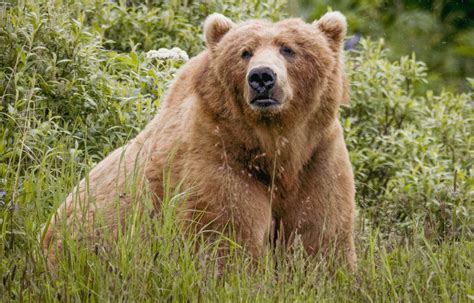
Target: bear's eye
{"points": [[286, 51], [246, 54]]}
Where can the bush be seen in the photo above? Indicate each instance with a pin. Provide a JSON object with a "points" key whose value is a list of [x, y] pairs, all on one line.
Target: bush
{"points": [[154, 24], [411, 151], [66, 101]]}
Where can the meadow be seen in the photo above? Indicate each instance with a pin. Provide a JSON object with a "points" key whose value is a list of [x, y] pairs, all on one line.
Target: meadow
{"points": [[77, 80]]}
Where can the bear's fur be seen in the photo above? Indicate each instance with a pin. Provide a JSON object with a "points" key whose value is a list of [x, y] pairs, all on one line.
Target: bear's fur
{"points": [[243, 165]]}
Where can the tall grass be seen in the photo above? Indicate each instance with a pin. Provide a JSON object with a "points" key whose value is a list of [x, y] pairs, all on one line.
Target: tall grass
{"points": [[75, 83]]}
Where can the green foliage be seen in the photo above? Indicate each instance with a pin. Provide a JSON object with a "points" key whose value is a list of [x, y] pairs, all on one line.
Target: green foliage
{"points": [[77, 81], [411, 152], [154, 24], [58, 82]]}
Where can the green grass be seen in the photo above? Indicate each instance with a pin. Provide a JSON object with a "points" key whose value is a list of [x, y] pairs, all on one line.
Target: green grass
{"points": [[75, 83], [153, 260]]}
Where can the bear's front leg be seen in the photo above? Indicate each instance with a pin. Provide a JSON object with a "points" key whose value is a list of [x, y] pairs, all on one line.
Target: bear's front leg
{"points": [[322, 212], [325, 230], [228, 201]]}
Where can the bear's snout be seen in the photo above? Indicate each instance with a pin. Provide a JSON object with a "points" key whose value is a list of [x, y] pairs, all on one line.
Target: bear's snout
{"points": [[262, 81]]}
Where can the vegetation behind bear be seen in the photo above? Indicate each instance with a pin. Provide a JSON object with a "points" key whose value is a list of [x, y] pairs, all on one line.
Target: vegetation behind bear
{"points": [[68, 98]]}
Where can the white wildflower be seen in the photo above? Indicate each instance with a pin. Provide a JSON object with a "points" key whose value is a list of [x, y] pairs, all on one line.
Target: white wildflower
{"points": [[164, 53]]}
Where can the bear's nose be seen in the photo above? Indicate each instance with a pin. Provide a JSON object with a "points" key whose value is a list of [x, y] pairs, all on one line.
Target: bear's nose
{"points": [[261, 79]]}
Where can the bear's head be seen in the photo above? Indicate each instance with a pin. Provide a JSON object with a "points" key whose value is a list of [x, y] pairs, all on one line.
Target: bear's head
{"points": [[289, 70]]}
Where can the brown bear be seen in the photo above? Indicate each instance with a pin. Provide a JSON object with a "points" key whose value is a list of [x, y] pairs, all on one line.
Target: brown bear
{"points": [[249, 130]]}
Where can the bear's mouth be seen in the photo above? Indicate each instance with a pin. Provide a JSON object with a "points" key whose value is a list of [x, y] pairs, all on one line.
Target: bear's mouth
{"points": [[264, 102]]}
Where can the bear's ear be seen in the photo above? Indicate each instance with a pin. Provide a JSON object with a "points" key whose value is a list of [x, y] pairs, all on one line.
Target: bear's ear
{"points": [[334, 27], [215, 27]]}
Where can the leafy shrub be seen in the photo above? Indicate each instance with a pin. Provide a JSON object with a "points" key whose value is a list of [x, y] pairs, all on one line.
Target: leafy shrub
{"points": [[153, 24], [411, 152], [58, 82]]}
